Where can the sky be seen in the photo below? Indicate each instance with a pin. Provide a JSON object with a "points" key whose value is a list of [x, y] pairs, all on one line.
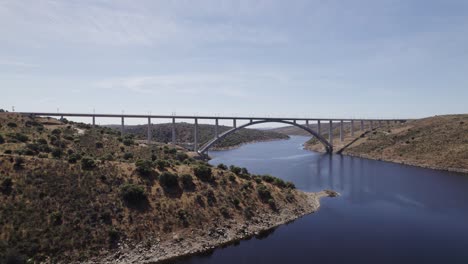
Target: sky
{"points": [[373, 59]]}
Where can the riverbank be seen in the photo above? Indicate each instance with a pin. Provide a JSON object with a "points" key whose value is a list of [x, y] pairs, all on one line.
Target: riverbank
{"points": [[196, 242], [246, 143]]}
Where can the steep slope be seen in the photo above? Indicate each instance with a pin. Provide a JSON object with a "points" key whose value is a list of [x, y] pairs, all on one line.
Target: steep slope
{"points": [[72, 193]]}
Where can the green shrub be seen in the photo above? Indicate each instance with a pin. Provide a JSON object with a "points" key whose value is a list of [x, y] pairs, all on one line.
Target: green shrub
{"points": [[235, 169], [12, 124], [181, 156], [263, 192], [88, 163], [133, 194], [127, 156], [73, 158], [162, 164], [232, 177], [203, 172], [19, 162], [187, 181], [279, 182], [221, 166], [56, 132], [6, 185], [144, 167], [2, 140], [128, 142], [268, 178], [57, 153], [7, 151], [168, 180], [290, 185], [99, 145], [19, 136]]}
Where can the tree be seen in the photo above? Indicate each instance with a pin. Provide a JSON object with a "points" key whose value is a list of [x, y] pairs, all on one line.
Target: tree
{"points": [[168, 180], [203, 172], [144, 167]]}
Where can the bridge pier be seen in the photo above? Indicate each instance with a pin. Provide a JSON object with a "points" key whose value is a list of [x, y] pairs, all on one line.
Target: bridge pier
{"points": [[307, 123], [234, 124], [94, 121], [195, 136], [362, 125], [122, 127], [341, 130], [380, 123], [149, 130], [352, 128], [371, 125], [330, 132], [319, 130], [173, 132], [216, 128]]}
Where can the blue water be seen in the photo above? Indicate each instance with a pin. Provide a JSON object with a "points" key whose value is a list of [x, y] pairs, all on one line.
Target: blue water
{"points": [[387, 213]]}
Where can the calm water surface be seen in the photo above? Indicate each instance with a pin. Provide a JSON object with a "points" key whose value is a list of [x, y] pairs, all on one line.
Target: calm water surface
{"points": [[387, 213]]}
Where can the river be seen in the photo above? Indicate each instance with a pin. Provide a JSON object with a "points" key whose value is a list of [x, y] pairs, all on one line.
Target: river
{"points": [[387, 213]]}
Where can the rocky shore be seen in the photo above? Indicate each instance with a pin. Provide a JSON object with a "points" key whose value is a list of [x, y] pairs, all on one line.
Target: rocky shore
{"points": [[194, 242]]}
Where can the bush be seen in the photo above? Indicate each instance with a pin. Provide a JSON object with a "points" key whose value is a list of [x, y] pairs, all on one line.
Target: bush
{"points": [[2, 140], [6, 185], [128, 142], [19, 162], [203, 172], [268, 178], [279, 182], [187, 181], [181, 156], [168, 180], [99, 145], [290, 185], [20, 137], [56, 132], [263, 193], [144, 167], [133, 194], [87, 163], [73, 158], [41, 141], [232, 177], [162, 164], [221, 166], [235, 169], [57, 153], [127, 156], [12, 124]]}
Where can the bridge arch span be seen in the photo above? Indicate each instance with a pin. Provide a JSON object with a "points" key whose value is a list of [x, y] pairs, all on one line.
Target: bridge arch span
{"points": [[202, 151]]}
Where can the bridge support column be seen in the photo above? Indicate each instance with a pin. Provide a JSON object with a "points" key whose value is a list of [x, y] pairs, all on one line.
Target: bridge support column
{"points": [[122, 127], [380, 123], [94, 121], [371, 125], [234, 125], [173, 132], [149, 130], [352, 128], [195, 136], [330, 132], [341, 130], [307, 123], [216, 128], [319, 130], [388, 122], [362, 125]]}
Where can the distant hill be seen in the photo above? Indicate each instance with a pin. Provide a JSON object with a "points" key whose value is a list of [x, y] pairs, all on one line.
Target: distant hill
{"points": [[296, 131], [185, 132]]}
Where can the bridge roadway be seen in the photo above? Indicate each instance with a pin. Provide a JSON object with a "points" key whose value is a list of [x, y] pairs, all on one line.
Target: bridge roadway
{"points": [[294, 121]]}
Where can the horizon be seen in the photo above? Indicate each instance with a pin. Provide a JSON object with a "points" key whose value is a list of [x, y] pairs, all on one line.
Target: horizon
{"points": [[391, 59]]}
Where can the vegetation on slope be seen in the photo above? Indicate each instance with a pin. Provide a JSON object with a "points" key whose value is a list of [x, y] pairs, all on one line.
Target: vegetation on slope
{"points": [[184, 134], [69, 192]]}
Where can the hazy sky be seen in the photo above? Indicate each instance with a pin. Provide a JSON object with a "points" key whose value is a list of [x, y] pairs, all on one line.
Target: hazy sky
{"points": [[344, 58]]}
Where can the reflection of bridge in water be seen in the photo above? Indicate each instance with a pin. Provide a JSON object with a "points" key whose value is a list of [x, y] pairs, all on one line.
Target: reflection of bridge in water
{"points": [[250, 121]]}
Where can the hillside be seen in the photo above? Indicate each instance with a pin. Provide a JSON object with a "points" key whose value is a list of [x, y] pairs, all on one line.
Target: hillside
{"points": [[296, 131], [439, 142], [185, 131], [73, 193]]}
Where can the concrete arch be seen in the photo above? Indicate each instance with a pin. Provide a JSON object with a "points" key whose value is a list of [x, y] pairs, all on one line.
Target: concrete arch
{"points": [[210, 143]]}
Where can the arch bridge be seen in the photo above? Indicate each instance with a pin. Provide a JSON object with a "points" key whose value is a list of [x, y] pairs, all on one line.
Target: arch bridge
{"points": [[202, 150]]}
